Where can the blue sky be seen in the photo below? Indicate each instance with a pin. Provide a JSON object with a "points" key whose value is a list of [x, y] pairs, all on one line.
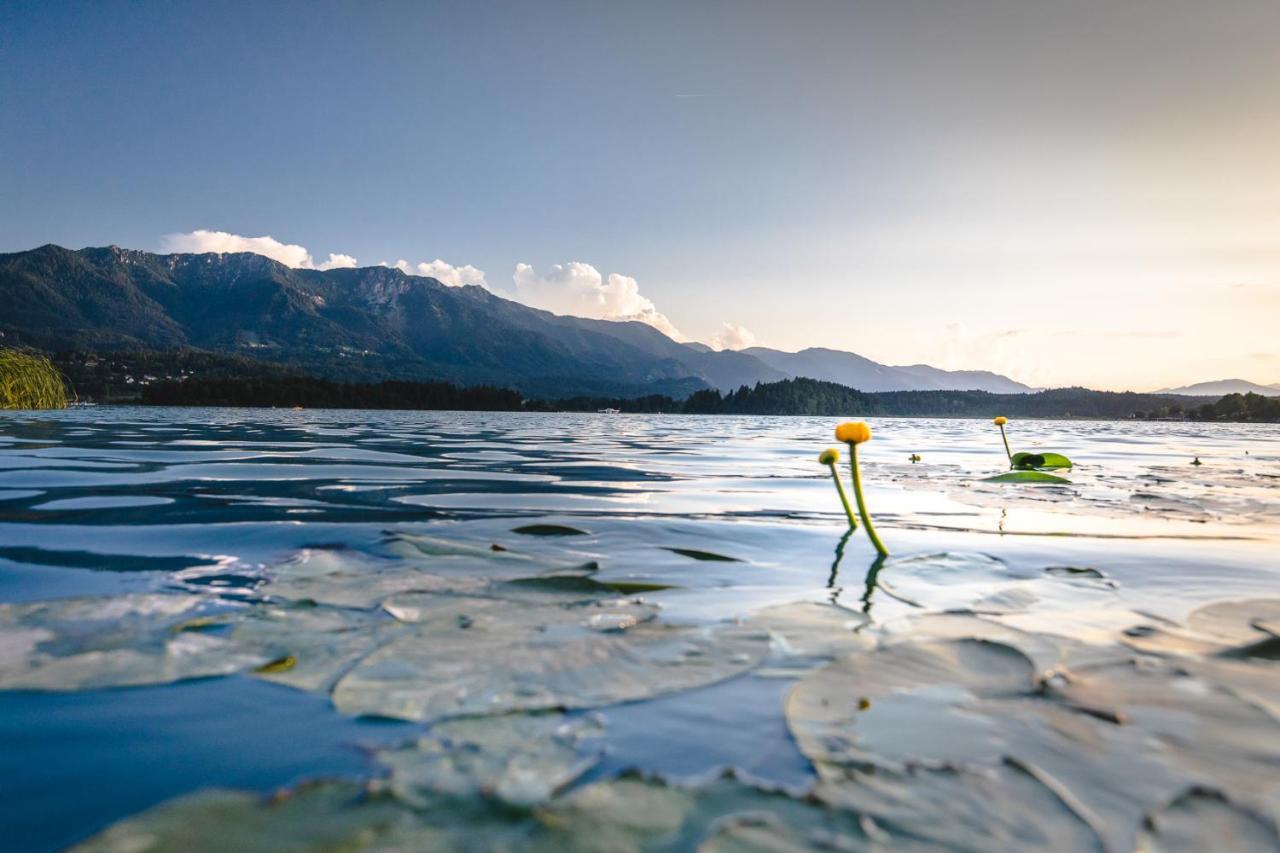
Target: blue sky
{"points": [[1082, 192]]}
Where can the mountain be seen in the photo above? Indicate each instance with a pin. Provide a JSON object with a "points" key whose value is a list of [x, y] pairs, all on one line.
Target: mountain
{"points": [[855, 371], [373, 323], [354, 324], [1221, 387]]}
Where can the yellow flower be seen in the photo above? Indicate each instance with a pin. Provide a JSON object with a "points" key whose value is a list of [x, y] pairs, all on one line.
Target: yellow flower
{"points": [[1000, 421], [830, 456], [853, 432]]}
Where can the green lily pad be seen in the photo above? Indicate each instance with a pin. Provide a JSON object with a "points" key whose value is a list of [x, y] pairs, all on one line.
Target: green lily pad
{"points": [[483, 656], [1040, 459], [125, 640], [1026, 476], [549, 530], [695, 554], [521, 759]]}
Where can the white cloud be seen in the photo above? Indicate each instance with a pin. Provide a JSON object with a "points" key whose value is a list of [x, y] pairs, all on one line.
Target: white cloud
{"points": [[580, 290], [446, 273], [733, 336], [289, 254]]}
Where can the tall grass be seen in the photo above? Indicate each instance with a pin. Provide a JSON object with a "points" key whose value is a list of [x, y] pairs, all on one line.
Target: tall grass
{"points": [[30, 381]]}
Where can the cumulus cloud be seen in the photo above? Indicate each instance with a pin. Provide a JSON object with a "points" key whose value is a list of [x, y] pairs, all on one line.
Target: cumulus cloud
{"points": [[580, 290], [289, 254], [733, 336], [445, 272]]}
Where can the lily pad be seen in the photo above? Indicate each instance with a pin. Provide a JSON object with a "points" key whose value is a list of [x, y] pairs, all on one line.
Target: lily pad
{"points": [[1040, 459], [1026, 476], [1237, 628], [518, 758], [631, 813], [805, 633], [323, 816], [548, 530], [709, 556], [957, 808], [1205, 819], [867, 710], [344, 578], [466, 655], [125, 640], [322, 643]]}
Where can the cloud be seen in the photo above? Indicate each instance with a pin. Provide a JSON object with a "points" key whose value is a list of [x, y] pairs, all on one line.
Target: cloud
{"points": [[733, 336], [446, 273], [289, 254], [580, 290]]}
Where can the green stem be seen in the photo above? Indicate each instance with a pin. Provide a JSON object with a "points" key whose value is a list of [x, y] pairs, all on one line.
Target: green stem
{"points": [[862, 504], [844, 499], [1007, 451]]}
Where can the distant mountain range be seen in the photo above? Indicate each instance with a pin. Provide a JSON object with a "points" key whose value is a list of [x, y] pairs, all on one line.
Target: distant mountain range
{"points": [[1221, 387], [377, 322]]}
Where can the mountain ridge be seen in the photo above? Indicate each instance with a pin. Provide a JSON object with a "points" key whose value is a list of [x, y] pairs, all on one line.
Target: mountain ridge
{"points": [[370, 323], [1221, 387]]}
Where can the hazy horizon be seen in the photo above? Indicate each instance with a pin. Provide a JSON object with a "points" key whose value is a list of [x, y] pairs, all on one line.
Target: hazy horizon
{"points": [[1083, 194]]}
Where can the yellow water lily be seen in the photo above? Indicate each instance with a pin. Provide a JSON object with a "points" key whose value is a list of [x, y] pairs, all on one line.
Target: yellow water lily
{"points": [[830, 457], [1000, 422], [853, 432]]}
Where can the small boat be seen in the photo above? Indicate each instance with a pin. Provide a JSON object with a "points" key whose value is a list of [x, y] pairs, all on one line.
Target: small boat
{"points": [[608, 411]]}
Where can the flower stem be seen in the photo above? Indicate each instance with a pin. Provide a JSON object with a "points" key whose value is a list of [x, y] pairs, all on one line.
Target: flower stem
{"points": [[862, 504], [844, 499], [1007, 451]]}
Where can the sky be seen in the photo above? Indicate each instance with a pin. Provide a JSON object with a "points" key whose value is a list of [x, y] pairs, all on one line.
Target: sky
{"points": [[1083, 193]]}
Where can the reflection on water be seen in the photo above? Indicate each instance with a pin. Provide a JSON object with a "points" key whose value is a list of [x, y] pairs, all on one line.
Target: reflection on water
{"points": [[213, 503]]}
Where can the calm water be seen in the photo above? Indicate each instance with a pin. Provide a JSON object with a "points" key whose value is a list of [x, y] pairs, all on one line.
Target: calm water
{"points": [[117, 501]]}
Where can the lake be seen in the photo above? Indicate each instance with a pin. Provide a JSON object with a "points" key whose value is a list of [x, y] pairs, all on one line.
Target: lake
{"points": [[518, 611]]}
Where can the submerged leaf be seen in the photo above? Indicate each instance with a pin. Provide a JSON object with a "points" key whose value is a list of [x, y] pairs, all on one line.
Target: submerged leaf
{"points": [[1025, 476], [548, 530], [695, 554]]}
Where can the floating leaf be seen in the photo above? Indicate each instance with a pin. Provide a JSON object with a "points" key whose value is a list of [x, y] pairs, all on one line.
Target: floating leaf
{"points": [[1025, 476], [519, 758], [125, 640], [956, 808], [344, 578], [322, 642], [1040, 460], [323, 816], [548, 530], [806, 633], [481, 656], [1205, 819], [623, 814], [866, 710], [695, 554]]}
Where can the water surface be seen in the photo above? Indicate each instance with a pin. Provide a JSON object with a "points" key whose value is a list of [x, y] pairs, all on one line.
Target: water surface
{"points": [[118, 501]]}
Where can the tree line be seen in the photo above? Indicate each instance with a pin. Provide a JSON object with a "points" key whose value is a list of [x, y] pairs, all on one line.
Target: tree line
{"points": [[787, 397]]}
